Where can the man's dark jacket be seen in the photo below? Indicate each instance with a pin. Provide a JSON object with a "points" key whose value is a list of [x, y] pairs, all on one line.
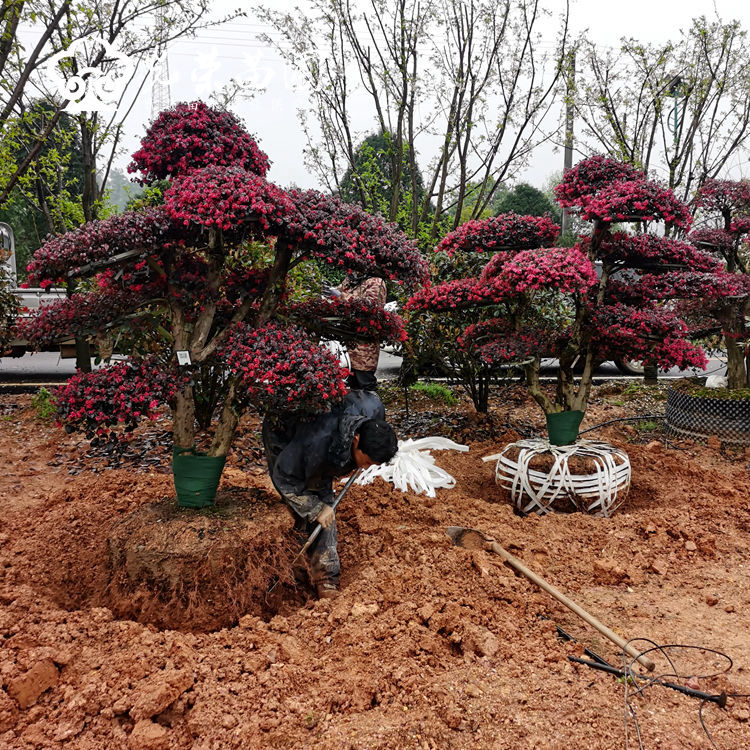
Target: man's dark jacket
{"points": [[304, 457]]}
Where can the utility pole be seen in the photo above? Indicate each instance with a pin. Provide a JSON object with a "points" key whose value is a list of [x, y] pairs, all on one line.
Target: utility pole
{"points": [[160, 93], [569, 110]]}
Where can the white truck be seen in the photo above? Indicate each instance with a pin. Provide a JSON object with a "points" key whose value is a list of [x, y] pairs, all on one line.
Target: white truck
{"points": [[30, 298]]}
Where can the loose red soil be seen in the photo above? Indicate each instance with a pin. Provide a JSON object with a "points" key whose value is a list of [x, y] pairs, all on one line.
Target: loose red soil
{"points": [[429, 646]]}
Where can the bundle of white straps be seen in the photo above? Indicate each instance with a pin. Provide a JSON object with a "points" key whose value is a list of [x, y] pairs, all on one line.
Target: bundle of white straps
{"points": [[414, 466]]}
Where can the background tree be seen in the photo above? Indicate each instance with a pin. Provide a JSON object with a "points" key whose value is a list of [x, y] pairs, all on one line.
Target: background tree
{"points": [[206, 274], [469, 75], [131, 27], [433, 333], [369, 181], [726, 205], [526, 200], [619, 313], [679, 111]]}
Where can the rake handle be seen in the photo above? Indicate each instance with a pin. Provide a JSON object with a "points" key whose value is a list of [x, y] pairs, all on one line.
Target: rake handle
{"points": [[628, 648]]}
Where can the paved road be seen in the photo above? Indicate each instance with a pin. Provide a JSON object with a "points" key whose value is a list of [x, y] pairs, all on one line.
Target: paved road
{"points": [[48, 366]]}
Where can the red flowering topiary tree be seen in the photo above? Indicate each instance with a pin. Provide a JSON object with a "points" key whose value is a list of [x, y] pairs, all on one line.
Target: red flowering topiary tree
{"points": [[606, 298], [725, 204], [462, 254], [201, 283]]}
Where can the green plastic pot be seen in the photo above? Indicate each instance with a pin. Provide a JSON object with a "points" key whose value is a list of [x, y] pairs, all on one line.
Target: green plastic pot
{"points": [[562, 427], [196, 477]]}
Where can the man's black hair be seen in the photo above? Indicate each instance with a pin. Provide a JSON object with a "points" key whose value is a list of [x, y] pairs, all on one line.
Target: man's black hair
{"points": [[377, 440]]}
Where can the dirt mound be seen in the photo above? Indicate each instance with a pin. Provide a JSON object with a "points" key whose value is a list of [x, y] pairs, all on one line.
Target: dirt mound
{"points": [[429, 646], [199, 570]]}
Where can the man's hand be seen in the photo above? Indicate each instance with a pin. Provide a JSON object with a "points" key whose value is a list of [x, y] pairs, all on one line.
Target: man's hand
{"points": [[326, 516], [330, 291]]}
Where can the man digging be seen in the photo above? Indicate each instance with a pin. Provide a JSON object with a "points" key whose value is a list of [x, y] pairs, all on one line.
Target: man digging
{"points": [[304, 457]]}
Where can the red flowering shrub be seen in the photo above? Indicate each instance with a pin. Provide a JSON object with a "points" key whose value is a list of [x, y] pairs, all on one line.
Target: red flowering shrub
{"points": [[497, 343], [727, 203], [649, 251], [725, 197], [635, 200], [345, 236], [651, 332], [120, 395], [604, 298], [713, 239], [591, 175], [226, 197], [516, 232], [150, 232], [191, 136], [282, 369], [351, 320], [204, 280]]}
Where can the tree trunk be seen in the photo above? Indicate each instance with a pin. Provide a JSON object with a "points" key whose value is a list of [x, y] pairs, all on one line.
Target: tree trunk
{"points": [[183, 419], [650, 374]]}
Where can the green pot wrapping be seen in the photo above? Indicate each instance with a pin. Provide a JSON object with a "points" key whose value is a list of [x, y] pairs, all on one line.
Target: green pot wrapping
{"points": [[196, 477], [562, 427]]}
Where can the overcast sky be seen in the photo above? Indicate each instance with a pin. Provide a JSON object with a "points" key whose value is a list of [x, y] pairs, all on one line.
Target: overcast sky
{"points": [[197, 66]]}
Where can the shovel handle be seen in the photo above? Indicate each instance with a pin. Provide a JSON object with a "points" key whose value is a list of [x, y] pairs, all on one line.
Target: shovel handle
{"points": [[316, 531], [628, 648]]}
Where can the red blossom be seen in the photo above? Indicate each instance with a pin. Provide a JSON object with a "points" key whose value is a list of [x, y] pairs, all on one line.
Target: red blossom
{"points": [[282, 370], [194, 135]]}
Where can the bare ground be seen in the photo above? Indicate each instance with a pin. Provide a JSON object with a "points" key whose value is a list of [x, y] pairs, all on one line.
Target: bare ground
{"points": [[429, 646]]}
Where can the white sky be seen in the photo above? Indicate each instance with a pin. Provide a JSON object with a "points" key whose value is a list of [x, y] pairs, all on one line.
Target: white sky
{"points": [[232, 51]]}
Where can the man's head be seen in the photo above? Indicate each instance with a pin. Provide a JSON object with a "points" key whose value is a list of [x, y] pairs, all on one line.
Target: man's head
{"points": [[374, 443]]}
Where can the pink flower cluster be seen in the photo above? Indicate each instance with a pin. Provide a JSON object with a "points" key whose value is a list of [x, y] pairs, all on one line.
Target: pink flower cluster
{"points": [[566, 270], [346, 236], [635, 200], [120, 395], [591, 175], [502, 232], [150, 232], [714, 239], [282, 370], [194, 135], [497, 343], [653, 252], [88, 313], [225, 197], [453, 295], [675, 285], [645, 332], [725, 196], [350, 321]]}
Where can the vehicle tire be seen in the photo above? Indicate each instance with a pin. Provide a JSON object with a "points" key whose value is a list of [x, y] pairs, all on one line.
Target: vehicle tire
{"points": [[629, 366]]}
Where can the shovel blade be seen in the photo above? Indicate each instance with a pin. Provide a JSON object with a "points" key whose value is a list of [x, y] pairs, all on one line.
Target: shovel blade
{"points": [[468, 538]]}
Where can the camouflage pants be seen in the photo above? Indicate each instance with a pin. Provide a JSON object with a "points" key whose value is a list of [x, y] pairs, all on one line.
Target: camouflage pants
{"points": [[322, 556]]}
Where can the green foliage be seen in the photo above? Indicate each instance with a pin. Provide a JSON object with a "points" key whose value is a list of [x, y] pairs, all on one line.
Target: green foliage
{"points": [[9, 307], [435, 391], [647, 426], [47, 197], [370, 179], [526, 200], [44, 404], [431, 346]]}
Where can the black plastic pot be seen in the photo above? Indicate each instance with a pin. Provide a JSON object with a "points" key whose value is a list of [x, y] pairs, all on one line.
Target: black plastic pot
{"points": [[699, 418]]}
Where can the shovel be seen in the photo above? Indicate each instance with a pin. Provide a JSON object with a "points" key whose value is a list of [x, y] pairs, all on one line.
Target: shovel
{"points": [[472, 539]]}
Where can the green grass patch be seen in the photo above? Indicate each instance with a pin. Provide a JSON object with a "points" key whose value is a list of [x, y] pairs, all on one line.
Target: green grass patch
{"points": [[436, 391], [44, 405]]}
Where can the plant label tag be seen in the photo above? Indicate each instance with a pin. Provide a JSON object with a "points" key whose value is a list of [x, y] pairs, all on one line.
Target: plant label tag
{"points": [[183, 358]]}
